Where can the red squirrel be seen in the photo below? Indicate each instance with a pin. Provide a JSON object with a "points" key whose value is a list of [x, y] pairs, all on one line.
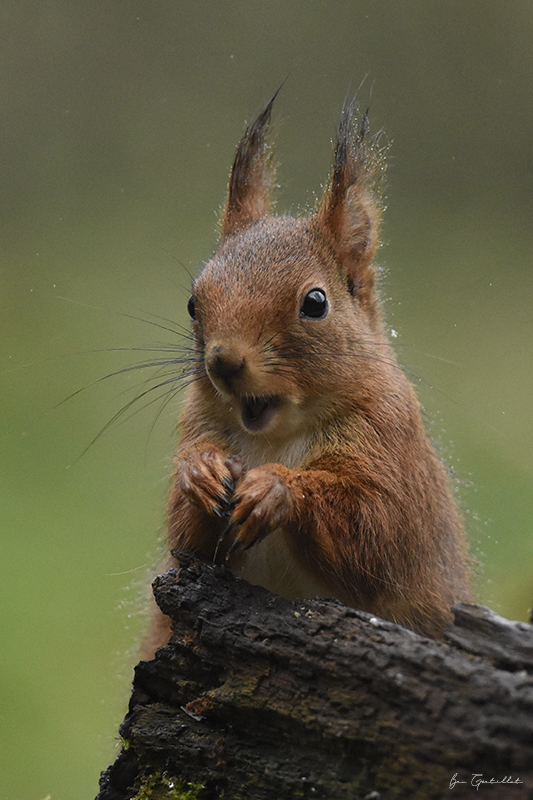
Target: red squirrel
{"points": [[303, 462]]}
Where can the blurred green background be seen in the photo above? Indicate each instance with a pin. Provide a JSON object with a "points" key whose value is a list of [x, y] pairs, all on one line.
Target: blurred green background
{"points": [[119, 124]]}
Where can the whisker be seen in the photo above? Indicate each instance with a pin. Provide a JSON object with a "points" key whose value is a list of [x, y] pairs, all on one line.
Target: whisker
{"points": [[170, 395], [181, 329], [279, 357], [117, 416], [123, 371]]}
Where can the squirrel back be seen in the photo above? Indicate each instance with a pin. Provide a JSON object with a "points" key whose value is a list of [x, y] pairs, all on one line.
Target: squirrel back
{"points": [[303, 462]]}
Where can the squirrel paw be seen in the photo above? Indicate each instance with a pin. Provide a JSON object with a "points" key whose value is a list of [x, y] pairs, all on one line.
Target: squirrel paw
{"points": [[263, 503], [207, 478]]}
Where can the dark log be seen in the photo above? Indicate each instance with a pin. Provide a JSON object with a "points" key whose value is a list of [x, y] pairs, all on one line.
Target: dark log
{"points": [[259, 698]]}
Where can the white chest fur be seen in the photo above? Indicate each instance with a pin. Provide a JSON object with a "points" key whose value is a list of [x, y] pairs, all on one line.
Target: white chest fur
{"points": [[270, 562], [255, 451]]}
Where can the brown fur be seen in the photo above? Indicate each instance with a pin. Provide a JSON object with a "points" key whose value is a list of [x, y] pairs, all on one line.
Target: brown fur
{"points": [[339, 491]]}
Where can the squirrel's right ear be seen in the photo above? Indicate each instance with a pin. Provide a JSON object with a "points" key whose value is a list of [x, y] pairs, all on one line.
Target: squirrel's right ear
{"points": [[348, 215], [251, 177]]}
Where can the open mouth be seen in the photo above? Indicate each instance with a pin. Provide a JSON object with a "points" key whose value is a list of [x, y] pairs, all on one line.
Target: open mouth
{"points": [[256, 412]]}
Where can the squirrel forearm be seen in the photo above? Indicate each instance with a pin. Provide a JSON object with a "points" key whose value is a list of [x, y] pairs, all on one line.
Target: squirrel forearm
{"points": [[362, 541]]}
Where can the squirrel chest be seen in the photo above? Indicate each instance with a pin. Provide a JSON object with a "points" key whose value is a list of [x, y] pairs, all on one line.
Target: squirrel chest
{"points": [[270, 562]]}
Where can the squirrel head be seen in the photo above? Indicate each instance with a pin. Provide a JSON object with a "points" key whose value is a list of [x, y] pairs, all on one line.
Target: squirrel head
{"points": [[284, 302]]}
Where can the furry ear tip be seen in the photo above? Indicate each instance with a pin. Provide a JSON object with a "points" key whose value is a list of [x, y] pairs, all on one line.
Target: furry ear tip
{"points": [[257, 128], [251, 176], [350, 210], [268, 107], [363, 130], [358, 157]]}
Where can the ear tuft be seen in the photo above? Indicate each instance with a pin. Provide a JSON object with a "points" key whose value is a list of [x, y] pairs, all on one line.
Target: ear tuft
{"points": [[349, 215], [252, 176]]}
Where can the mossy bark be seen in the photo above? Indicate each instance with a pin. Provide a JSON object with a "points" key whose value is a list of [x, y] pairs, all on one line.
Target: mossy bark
{"points": [[258, 698]]}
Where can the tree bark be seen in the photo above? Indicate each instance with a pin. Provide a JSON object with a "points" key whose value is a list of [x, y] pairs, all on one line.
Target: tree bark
{"points": [[258, 698]]}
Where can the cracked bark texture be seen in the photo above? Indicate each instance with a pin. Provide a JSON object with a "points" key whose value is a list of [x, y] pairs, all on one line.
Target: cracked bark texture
{"points": [[258, 697]]}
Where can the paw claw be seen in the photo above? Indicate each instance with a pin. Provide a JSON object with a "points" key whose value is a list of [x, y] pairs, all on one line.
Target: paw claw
{"points": [[251, 544], [235, 546], [261, 506], [207, 480], [228, 484]]}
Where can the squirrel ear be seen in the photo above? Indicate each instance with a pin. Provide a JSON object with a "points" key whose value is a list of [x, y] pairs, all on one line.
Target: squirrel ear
{"points": [[348, 215], [251, 177]]}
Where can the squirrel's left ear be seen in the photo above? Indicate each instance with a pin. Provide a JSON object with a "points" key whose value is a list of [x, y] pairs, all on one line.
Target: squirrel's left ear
{"points": [[251, 179], [348, 215]]}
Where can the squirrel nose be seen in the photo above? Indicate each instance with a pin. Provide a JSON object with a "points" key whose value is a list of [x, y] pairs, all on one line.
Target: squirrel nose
{"points": [[222, 363]]}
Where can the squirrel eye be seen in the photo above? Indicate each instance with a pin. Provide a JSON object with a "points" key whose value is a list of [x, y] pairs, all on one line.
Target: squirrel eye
{"points": [[315, 304], [191, 307]]}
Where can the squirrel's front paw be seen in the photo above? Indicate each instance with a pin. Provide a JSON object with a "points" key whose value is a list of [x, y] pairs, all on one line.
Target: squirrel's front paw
{"points": [[262, 504], [207, 478]]}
